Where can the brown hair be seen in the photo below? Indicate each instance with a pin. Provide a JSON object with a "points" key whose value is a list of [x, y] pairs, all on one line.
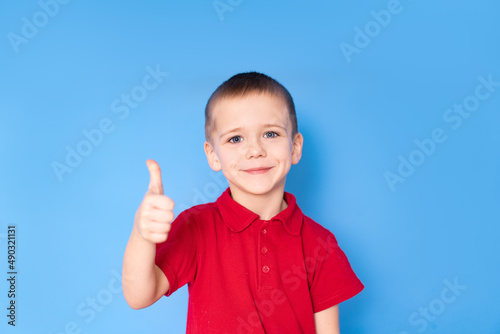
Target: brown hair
{"points": [[244, 84]]}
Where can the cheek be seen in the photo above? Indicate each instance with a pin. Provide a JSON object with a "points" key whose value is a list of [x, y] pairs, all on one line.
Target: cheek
{"points": [[230, 163], [228, 160], [284, 152]]}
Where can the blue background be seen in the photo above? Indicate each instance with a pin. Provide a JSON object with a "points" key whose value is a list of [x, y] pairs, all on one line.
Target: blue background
{"points": [[359, 112]]}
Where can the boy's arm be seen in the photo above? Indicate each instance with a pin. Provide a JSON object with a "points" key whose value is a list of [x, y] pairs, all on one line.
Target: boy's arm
{"points": [[143, 282], [327, 321]]}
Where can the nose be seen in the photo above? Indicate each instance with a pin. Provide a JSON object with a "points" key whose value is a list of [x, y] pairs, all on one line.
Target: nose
{"points": [[255, 149]]}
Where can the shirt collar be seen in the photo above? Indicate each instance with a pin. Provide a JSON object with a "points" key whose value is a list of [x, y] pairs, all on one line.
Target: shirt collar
{"points": [[237, 217]]}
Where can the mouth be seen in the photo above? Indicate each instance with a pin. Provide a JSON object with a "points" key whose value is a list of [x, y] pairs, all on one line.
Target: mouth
{"points": [[258, 170]]}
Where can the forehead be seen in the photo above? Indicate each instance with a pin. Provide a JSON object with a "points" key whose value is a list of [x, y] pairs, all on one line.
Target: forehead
{"points": [[248, 110]]}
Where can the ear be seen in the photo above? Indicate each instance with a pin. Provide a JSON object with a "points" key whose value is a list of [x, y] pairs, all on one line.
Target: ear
{"points": [[297, 144], [212, 158]]}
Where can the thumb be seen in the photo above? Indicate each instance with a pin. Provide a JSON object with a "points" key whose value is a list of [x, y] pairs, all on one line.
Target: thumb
{"points": [[155, 185]]}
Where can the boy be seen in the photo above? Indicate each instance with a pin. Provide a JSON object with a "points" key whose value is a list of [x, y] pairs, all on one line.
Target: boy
{"points": [[253, 262]]}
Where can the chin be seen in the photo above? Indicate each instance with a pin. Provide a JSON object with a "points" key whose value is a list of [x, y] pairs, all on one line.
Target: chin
{"points": [[258, 189]]}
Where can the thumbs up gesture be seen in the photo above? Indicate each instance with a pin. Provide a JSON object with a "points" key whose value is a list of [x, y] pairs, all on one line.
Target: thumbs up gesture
{"points": [[153, 218]]}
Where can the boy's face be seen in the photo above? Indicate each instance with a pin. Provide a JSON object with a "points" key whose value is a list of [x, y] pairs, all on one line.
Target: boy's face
{"points": [[252, 143]]}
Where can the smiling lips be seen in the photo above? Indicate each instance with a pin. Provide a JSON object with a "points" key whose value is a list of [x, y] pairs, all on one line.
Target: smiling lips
{"points": [[258, 170]]}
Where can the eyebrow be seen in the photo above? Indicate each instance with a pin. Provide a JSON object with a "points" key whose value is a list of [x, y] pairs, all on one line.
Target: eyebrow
{"points": [[233, 130], [275, 125]]}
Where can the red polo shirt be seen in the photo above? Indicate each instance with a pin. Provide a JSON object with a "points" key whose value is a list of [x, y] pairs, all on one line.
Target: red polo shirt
{"points": [[247, 275]]}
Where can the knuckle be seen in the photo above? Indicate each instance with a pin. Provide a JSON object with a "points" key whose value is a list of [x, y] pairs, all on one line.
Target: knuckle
{"points": [[170, 203], [167, 201], [161, 238], [145, 225]]}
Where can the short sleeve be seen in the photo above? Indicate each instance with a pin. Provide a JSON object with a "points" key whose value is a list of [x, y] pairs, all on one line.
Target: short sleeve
{"points": [[176, 257], [333, 280]]}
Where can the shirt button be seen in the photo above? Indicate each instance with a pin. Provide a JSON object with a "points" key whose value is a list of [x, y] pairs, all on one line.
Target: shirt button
{"points": [[264, 250], [264, 231], [265, 269]]}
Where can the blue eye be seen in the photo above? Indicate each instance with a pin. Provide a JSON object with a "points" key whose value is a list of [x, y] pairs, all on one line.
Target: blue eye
{"points": [[235, 139], [271, 134]]}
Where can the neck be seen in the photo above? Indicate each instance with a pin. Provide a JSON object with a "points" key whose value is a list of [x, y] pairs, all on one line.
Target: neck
{"points": [[266, 206]]}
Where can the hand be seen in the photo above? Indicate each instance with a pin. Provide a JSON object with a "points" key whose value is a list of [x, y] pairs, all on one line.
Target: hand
{"points": [[154, 215]]}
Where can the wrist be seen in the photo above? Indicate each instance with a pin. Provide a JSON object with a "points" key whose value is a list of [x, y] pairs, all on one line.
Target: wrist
{"points": [[138, 237]]}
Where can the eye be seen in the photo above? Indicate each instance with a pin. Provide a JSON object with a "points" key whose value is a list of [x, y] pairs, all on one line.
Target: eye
{"points": [[270, 134], [235, 139]]}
